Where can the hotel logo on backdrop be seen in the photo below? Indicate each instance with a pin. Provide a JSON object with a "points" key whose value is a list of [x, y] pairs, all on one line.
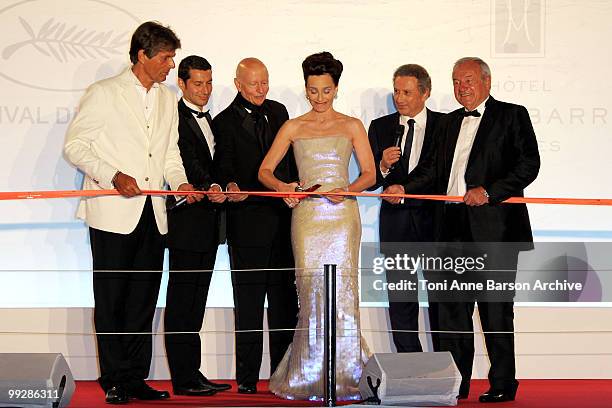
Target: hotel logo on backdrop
{"points": [[518, 28], [62, 45]]}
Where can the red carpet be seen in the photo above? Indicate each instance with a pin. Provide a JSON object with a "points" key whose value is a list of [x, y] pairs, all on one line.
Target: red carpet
{"points": [[532, 394]]}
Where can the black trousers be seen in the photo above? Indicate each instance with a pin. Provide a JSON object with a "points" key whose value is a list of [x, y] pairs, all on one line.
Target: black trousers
{"points": [[185, 306], [406, 225], [125, 300], [495, 316], [404, 316], [250, 289]]}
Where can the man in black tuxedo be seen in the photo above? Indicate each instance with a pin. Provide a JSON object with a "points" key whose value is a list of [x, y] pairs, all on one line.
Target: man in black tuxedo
{"points": [[486, 152], [398, 142], [258, 228], [193, 234]]}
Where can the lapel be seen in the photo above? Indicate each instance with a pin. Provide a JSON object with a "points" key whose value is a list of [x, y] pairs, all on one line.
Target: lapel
{"points": [[452, 134], [187, 116], [429, 125], [245, 120], [131, 98], [484, 129], [161, 107], [388, 134]]}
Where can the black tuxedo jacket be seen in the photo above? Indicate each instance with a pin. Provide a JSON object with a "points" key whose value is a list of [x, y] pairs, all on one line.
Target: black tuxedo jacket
{"points": [[194, 227], [256, 221], [504, 160], [382, 134]]}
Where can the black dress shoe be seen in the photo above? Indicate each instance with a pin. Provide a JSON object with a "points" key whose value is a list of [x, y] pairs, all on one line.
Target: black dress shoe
{"points": [[146, 393], [464, 390], [194, 389], [214, 386], [494, 395], [116, 395], [247, 389]]}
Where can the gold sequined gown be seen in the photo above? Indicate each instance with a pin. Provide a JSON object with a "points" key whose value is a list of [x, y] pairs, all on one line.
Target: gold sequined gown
{"points": [[324, 233]]}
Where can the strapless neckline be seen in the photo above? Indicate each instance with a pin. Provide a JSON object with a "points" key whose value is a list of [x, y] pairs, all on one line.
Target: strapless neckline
{"points": [[321, 137]]}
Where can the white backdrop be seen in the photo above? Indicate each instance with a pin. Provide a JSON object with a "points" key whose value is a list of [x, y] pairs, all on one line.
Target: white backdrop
{"points": [[549, 56]]}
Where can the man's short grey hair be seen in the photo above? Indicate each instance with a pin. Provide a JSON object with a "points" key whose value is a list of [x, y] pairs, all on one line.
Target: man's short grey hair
{"points": [[417, 71], [484, 67]]}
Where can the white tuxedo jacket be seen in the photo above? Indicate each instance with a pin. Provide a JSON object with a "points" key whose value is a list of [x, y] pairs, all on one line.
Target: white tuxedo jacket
{"points": [[110, 134]]}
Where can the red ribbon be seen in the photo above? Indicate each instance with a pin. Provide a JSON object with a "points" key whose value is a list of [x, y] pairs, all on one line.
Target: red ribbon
{"points": [[30, 195]]}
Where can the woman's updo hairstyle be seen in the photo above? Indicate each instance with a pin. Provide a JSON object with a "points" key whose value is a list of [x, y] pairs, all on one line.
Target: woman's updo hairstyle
{"points": [[320, 64]]}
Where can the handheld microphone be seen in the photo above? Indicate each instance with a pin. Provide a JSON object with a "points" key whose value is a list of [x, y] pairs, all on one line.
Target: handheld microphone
{"points": [[399, 134]]}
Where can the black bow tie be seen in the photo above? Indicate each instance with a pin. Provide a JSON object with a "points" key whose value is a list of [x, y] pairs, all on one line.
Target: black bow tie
{"points": [[473, 113], [198, 114]]}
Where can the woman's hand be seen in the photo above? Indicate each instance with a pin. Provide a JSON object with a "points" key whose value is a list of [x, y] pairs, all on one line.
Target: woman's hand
{"points": [[336, 199], [289, 188]]}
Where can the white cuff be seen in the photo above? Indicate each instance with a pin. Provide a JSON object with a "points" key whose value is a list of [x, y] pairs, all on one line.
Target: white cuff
{"points": [[384, 173]]}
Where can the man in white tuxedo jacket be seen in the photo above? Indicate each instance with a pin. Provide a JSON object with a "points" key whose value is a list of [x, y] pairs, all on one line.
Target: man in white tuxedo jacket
{"points": [[125, 137]]}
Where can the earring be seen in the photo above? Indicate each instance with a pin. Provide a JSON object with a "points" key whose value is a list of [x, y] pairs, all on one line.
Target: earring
{"points": [[336, 95]]}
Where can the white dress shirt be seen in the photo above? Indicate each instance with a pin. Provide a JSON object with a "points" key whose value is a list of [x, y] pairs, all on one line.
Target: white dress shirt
{"points": [[148, 97], [204, 126], [467, 133]]}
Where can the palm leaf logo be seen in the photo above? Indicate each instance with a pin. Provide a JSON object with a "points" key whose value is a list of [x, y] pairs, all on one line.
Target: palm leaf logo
{"points": [[57, 40]]}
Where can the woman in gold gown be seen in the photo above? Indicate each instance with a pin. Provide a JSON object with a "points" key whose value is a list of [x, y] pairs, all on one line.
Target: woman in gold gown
{"points": [[324, 230]]}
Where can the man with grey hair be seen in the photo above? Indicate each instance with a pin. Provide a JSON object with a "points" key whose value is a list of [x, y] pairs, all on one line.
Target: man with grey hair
{"points": [[398, 141], [486, 152]]}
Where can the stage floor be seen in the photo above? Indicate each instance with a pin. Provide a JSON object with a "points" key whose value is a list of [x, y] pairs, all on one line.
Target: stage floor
{"points": [[532, 394]]}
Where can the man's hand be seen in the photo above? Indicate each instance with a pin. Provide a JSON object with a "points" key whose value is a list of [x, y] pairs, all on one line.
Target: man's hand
{"points": [[191, 198], [234, 198], [476, 196], [216, 198], [126, 185], [394, 189], [390, 156]]}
